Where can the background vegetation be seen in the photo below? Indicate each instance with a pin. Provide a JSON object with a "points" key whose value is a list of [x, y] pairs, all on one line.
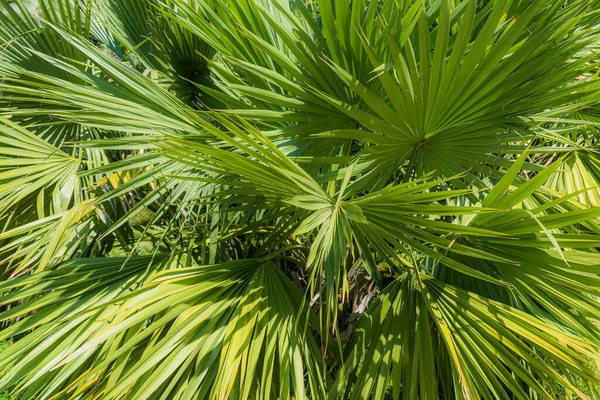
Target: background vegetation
{"points": [[211, 199]]}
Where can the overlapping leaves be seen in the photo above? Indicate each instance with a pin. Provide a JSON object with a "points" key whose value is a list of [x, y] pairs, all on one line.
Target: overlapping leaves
{"points": [[168, 169]]}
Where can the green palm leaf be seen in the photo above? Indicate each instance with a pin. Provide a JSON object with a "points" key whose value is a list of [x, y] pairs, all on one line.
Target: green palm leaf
{"points": [[299, 199]]}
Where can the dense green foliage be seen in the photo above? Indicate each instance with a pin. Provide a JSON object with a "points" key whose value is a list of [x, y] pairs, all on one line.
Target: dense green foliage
{"points": [[325, 199], [4, 395]]}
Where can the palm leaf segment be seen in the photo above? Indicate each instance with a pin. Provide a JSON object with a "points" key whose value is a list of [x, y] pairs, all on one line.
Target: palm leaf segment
{"points": [[166, 174]]}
